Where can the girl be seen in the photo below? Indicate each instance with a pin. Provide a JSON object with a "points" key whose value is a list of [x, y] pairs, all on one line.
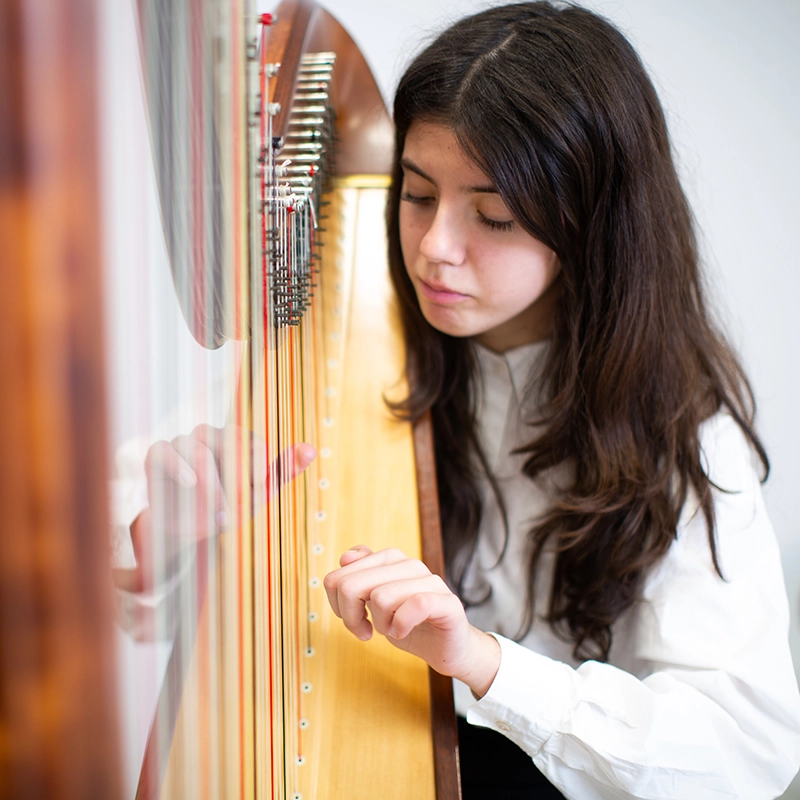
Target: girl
{"points": [[615, 604]]}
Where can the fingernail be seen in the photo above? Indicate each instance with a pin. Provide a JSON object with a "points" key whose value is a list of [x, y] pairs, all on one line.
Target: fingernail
{"points": [[188, 478], [222, 519], [365, 637]]}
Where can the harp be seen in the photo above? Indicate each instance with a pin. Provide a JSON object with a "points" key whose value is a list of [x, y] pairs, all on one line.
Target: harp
{"points": [[264, 695], [319, 323]]}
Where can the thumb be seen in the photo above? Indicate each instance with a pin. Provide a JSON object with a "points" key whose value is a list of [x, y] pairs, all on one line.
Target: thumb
{"points": [[304, 454]]}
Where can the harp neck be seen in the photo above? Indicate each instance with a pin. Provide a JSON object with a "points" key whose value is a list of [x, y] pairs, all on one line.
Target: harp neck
{"points": [[362, 122]]}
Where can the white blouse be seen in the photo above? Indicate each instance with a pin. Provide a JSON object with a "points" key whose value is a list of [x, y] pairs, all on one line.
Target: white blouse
{"points": [[699, 698]]}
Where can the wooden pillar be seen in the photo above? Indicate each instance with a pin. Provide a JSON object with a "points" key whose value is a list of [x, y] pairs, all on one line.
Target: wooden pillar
{"points": [[57, 698]]}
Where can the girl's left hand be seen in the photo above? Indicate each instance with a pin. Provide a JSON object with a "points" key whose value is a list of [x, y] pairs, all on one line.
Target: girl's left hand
{"points": [[414, 610], [189, 500]]}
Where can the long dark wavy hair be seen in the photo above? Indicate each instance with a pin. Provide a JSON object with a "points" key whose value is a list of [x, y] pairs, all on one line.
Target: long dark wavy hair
{"points": [[554, 105]]}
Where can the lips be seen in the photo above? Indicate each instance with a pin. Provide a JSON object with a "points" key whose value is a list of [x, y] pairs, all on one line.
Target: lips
{"points": [[439, 293]]}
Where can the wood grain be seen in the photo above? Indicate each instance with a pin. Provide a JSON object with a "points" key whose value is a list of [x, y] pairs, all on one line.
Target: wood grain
{"points": [[57, 705]]}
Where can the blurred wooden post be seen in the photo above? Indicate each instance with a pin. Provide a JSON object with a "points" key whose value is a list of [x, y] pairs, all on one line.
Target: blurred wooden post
{"points": [[58, 732]]}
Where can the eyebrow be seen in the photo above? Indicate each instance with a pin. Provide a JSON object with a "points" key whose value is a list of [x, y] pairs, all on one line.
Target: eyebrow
{"points": [[406, 163]]}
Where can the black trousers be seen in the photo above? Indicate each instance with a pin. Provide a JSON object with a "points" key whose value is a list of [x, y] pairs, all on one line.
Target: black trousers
{"points": [[494, 768]]}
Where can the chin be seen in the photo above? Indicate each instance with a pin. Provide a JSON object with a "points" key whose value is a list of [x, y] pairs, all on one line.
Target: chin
{"points": [[450, 327], [460, 323]]}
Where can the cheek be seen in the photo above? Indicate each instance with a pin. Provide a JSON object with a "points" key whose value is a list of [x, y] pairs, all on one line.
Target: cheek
{"points": [[549, 269], [525, 278]]}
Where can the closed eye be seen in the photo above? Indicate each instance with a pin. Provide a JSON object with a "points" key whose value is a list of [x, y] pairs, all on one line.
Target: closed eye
{"points": [[496, 224], [415, 198]]}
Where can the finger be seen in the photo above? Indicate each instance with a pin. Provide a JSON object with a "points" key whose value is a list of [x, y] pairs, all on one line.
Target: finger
{"points": [[210, 495], [356, 610], [442, 610], [333, 579], [229, 440], [214, 439], [354, 588], [304, 454], [290, 463], [355, 553], [385, 600], [163, 461], [223, 444], [366, 559]]}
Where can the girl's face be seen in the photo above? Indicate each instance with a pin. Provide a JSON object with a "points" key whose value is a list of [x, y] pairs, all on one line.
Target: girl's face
{"points": [[476, 272]]}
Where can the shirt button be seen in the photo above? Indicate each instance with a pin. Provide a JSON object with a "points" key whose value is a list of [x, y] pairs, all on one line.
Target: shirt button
{"points": [[503, 726]]}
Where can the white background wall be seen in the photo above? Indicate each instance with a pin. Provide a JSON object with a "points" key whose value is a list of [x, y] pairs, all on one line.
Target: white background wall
{"points": [[728, 72]]}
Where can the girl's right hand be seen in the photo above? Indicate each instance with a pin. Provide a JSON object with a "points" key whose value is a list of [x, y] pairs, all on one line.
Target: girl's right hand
{"points": [[415, 610]]}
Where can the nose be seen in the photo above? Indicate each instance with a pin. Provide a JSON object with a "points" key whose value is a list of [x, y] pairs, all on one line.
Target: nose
{"points": [[443, 242]]}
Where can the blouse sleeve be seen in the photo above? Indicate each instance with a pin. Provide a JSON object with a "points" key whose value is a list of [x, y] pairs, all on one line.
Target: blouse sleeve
{"points": [[715, 713]]}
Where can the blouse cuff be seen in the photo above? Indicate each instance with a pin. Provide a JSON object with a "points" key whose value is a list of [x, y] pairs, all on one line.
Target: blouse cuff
{"points": [[528, 697]]}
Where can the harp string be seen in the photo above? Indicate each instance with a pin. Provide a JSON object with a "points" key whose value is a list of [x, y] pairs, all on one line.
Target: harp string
{"points": [[238, 602]]}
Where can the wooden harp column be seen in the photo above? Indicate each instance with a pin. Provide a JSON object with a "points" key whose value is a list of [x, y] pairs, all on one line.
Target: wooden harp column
{"points": [[58, 720]]}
